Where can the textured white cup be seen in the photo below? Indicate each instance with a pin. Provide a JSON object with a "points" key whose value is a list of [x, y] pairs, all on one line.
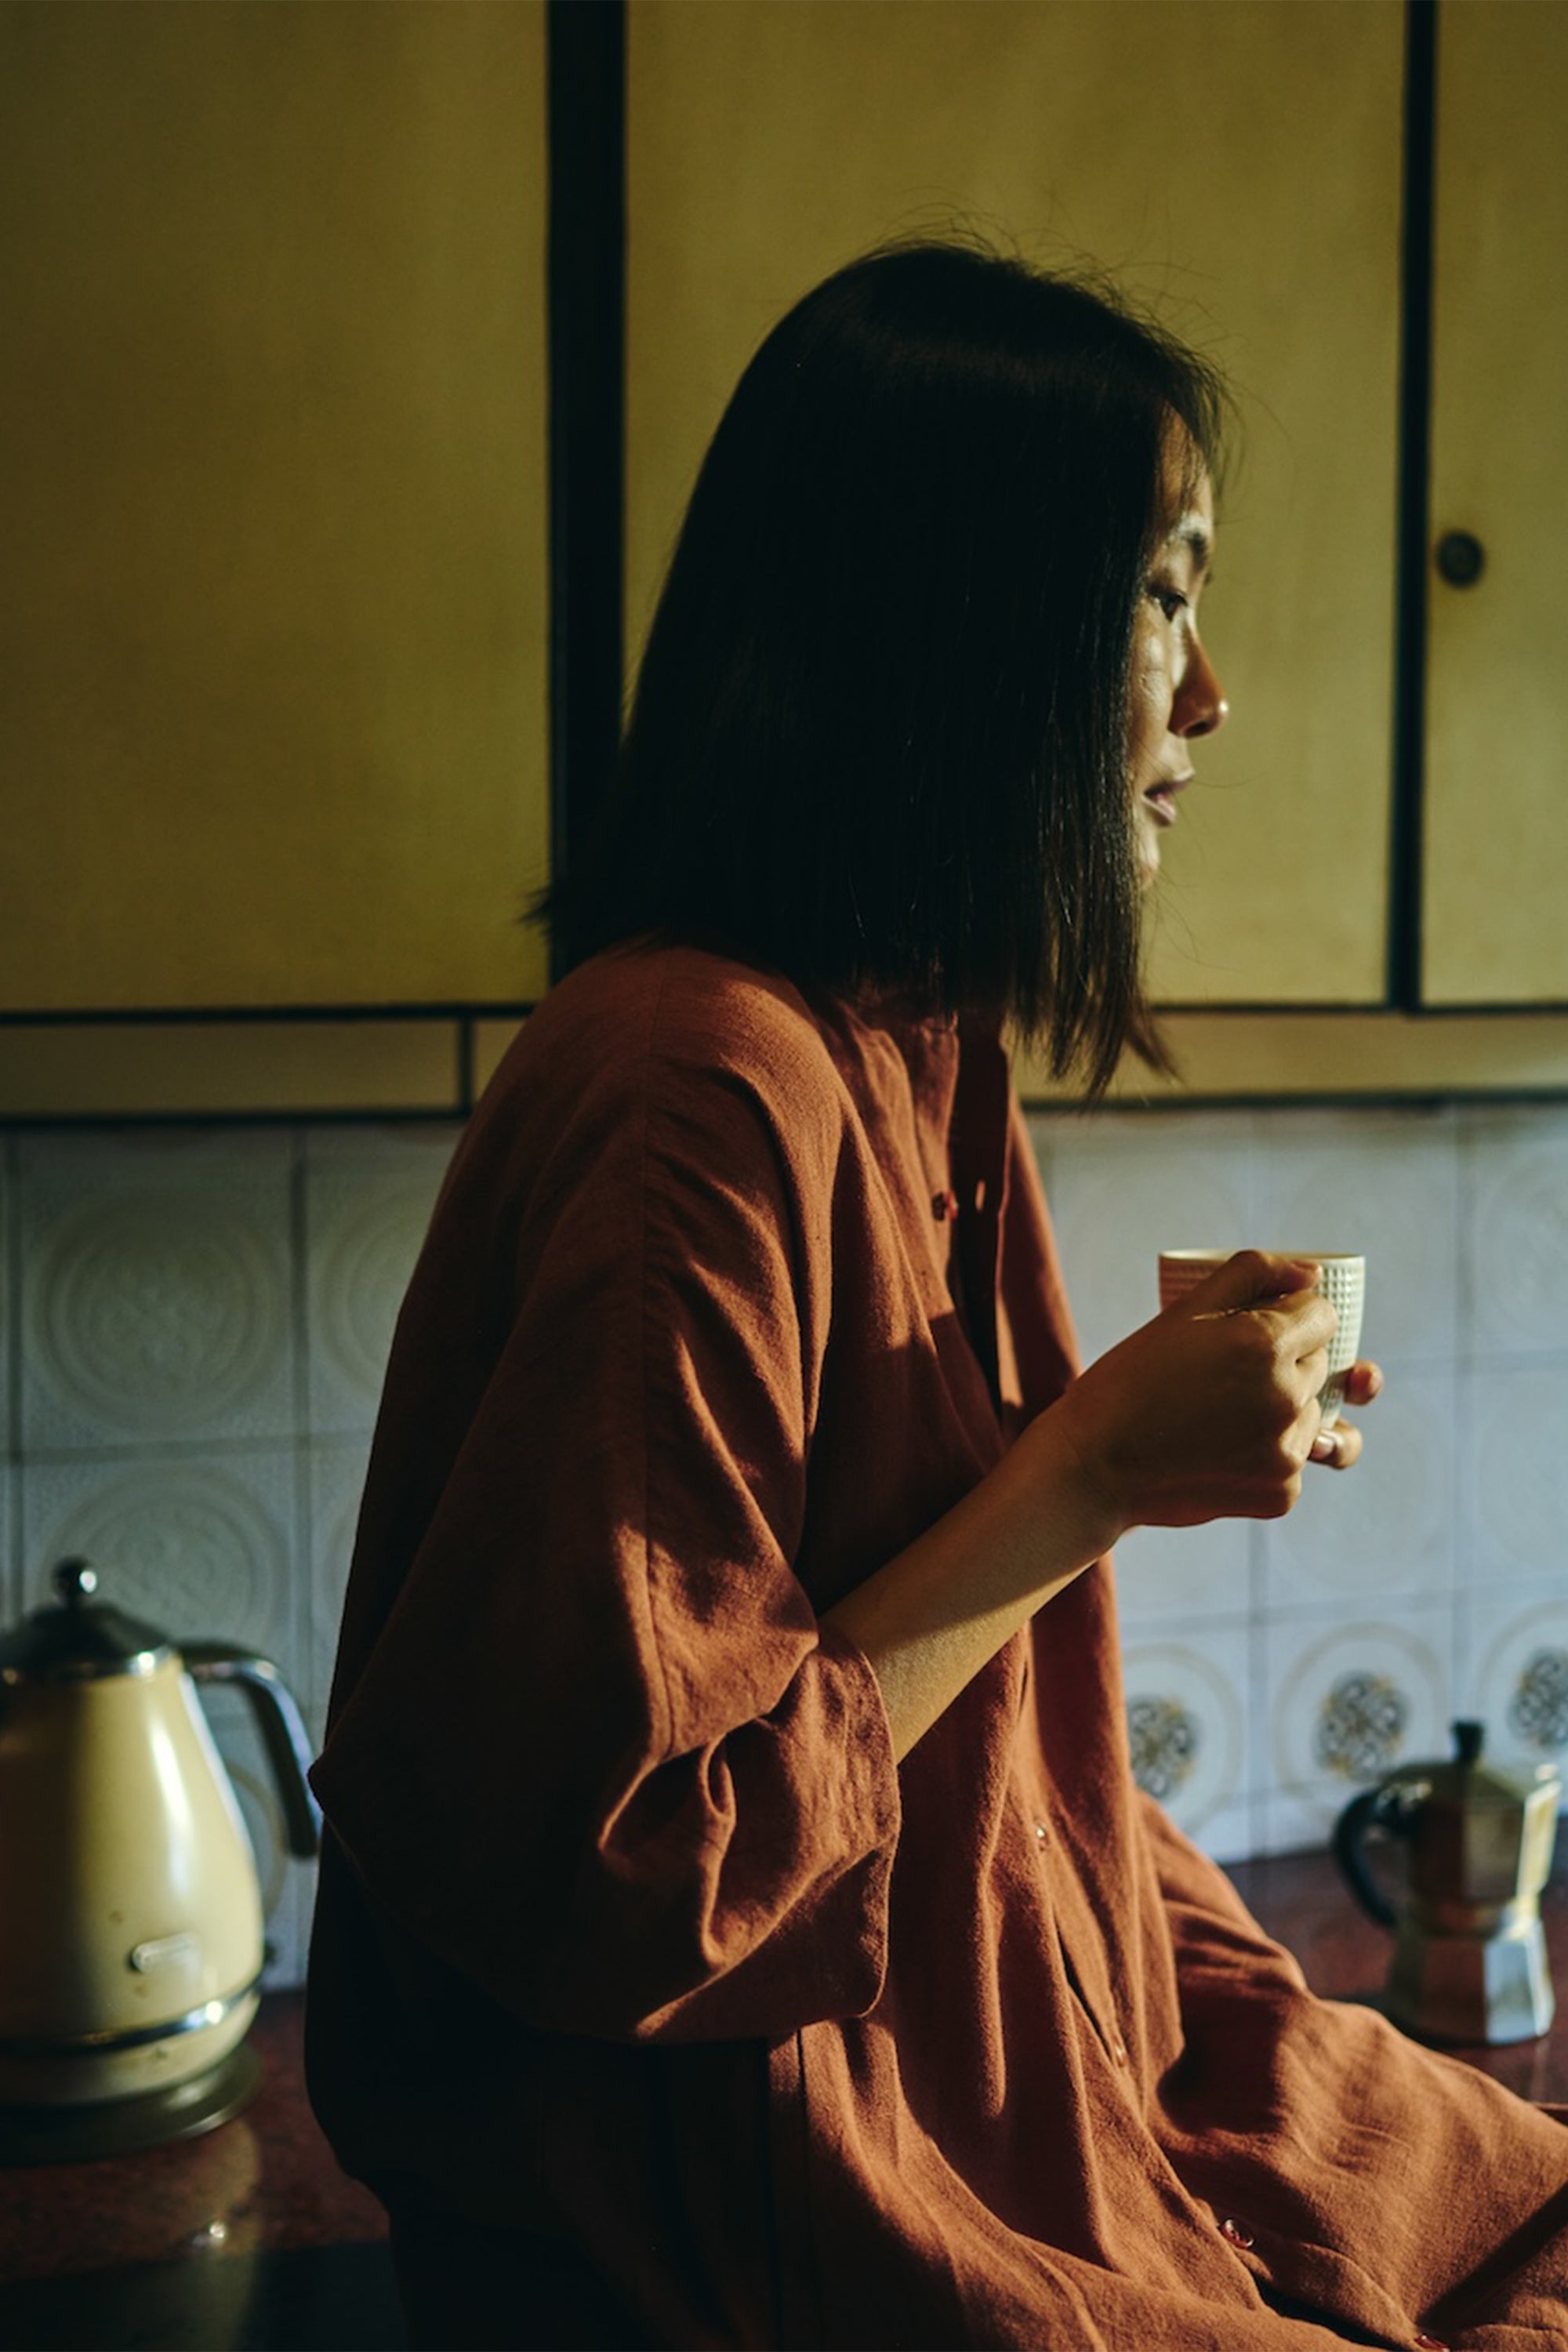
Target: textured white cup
{"points": [[1342, 1281]]}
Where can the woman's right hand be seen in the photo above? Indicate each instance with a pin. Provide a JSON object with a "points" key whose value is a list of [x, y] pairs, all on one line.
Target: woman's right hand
{"points": [[1209, 1410]]}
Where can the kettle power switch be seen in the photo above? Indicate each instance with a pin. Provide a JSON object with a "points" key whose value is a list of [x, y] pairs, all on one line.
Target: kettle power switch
{"points": [[162, 1950]]}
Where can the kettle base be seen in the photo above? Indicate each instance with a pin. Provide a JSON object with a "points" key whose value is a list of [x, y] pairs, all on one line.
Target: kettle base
{"points": [[68, 2134]]}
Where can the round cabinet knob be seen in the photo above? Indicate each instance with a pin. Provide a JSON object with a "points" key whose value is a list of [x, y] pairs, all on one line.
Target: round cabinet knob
{"points": [[1461, 558]]}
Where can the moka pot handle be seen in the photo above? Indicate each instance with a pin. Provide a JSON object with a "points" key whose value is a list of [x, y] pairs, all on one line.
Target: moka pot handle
{"points": [[1394, 1806]]}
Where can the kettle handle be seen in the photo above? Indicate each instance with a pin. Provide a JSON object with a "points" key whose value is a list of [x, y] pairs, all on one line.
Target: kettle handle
{"points": [[1392, 1806], [280, 1723]]}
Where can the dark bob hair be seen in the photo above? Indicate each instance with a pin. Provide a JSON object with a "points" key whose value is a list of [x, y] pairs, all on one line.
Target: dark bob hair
{"points": [[879, 739]]}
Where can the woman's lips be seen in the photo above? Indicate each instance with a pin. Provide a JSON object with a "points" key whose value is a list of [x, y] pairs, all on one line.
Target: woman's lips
{"points": [[1161, 796]]}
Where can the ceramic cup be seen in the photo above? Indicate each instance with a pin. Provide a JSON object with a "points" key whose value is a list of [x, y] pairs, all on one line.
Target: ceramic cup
{"points": [[1342, 1281]]}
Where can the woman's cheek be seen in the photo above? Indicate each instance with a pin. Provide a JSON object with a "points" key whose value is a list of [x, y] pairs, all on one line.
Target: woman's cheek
{"points": [[1150, 709]]}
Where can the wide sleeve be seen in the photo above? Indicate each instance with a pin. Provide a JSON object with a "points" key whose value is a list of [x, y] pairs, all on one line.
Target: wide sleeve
{"points": [[601, 1756]]}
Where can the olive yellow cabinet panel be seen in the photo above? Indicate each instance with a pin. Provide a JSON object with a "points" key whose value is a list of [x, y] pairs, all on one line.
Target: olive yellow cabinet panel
{"points": [[1236, 165], [1495, 883], [272, 409]]}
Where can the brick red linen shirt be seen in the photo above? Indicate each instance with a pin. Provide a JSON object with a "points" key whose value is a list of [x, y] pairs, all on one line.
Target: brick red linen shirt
{"points": [[631, 1933]]}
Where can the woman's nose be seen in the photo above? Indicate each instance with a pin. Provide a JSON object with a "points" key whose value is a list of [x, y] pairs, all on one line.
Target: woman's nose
{"points": [[1199, 708]]}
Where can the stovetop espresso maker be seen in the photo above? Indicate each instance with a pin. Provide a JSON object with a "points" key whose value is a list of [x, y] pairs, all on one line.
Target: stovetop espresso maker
{"points": [[1470, 1955]]}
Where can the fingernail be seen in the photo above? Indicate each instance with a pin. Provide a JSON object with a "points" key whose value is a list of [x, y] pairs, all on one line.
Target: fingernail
{"points": [[1323, 1447]]}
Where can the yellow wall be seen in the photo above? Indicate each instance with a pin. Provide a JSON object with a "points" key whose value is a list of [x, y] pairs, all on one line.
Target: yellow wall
{"points": [[272, 426], [1495, 878], [1236, 167], [272, 401]]}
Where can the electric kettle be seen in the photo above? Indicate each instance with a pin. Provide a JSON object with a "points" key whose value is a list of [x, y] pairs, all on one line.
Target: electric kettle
{"points": [[1469, 1954], [131, 1923]]}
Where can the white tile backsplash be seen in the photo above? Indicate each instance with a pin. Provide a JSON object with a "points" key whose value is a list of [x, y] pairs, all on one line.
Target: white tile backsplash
{"points": [[1385, 1183], [205, 1317], [1170, 1578], [1382, 1530], [10, 1544], [204, 1547], [1512, 1522], [156, 1290], [194, 1328], [337, 1469], [1188, 1709], [1422, 1584], [368, 1197], [1514, 1231], [1126, 1185], [1515, 1676], [1349, 1698]]}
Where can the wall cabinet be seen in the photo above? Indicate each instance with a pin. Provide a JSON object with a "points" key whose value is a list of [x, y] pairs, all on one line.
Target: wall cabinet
{"points": [[273, 411], [272, 405], [1235, 166], [1240, 168], [1495, 852]]}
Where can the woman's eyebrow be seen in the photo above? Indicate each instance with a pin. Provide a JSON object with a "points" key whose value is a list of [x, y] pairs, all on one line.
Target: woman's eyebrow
{"points": [[1194, 536]]}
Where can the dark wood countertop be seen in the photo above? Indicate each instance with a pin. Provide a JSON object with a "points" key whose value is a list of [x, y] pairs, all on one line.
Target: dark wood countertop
{"points": [[1301, 1901], [268, 2178], [249, 2237]]}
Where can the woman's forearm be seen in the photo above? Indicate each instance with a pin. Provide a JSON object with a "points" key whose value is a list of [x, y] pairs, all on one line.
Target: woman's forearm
{"points": [[932, 1616], [1209, 1412]]}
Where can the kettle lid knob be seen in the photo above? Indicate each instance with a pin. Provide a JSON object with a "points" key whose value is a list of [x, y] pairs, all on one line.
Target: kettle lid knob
{"points": [[78, 1639], [74, 1581], [1469, 1738]]}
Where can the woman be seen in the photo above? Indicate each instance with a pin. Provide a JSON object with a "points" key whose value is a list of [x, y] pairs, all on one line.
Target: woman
{"points": [[738, 1922]]}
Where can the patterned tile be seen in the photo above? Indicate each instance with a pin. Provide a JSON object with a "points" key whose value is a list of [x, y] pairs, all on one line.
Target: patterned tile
{"points": [[1170, 1578], [155, 1296], [1514, 1230], [1515, 1677], [1384, 1529], [203, 1547], [11, 1602], [1126, 1185], [337, 1471], [10, 1262], [1230, 1834], [1383, 1183], [1284, 1822], [1186, 1718], [173, 1422], [1344, 1703], [368, 1200], [1511, 1431]]}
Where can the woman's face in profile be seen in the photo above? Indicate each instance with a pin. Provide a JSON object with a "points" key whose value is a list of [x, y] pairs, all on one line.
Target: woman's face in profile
{"points": [[1176, 696]]}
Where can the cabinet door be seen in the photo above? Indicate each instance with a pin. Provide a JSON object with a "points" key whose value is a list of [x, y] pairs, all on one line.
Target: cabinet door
{"points": [[1495, 896], [272, 414], [1236, 167]]}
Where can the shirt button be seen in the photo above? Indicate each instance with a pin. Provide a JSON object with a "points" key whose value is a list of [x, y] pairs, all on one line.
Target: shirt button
{"points": [[1040, 1832], [944, 1205], [1119, 2049], [1234, 2232]]}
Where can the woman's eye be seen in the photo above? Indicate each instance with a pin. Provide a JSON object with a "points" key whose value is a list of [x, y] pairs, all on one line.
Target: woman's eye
{"points": [[1170, 600]]}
